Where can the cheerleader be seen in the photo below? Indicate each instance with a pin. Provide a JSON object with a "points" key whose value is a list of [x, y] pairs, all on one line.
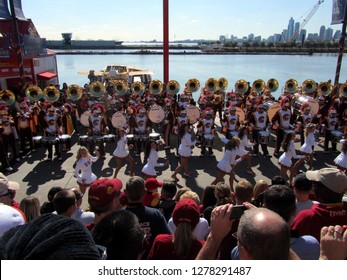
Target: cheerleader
{"points": [[245, 143], [306, 148], [151, 153], [224, 166], [121, 152], [341, 159], [83, 170], [184, 150], [285, 159]]}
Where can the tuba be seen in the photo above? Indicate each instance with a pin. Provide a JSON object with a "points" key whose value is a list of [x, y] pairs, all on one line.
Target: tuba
{"points": [[97, 89], [156, 87], [34, 93], [291, 86], [324, 88], [309, 86], [241, 86], [223, 84], [51, 94], [258, 86], [211, 85], [193, 85], [120, 87], [137, 88], [272, 85], [7, 97], [343, 90], [74, 92], [172, 87]]}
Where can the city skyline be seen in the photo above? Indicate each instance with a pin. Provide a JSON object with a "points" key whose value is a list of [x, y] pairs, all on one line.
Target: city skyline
{"points": [[189, 19]]}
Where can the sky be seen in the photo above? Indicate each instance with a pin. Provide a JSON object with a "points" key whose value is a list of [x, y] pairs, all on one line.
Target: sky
{"points": [[142, 20]]}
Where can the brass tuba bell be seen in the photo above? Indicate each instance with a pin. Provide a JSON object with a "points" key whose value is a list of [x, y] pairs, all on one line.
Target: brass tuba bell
{"points": [[173, 87], [156, 87], [309, 86], [34, 93], [272, 85], [51, 94], [137, 88], [291, 86], [120, 87], [97, 89], [223, 84], [258, 86], [7, 97], [324, 88], [241, 86], [211, 85], [193, 85], [74, 92], [343, 90]]}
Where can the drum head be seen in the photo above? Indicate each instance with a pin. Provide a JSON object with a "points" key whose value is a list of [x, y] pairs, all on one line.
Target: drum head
{"points": [[314, 105], [84, 119], [156, 114], [193, 113], [240, 113], [272, 109], [118, 120]]}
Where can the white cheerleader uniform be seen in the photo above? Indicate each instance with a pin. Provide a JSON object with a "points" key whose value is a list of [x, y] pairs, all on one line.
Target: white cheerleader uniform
{"points": [[185, 149], [341, 160], [121, 151], [309, 142], [83, 170], [152, 162], [229, 159], [286, 158], [244, 143]]}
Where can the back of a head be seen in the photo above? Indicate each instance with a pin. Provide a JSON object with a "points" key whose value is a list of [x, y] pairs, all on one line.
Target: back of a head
{"points": [[191, 195], [280, 199], [135, 189], [30, 206], [243, 191], [301, 183], [264, 235], [222, 194], [169, 189], [278, 180], [180, 192], [52, 192], [50, 237], [122, 235], [63, 200]]}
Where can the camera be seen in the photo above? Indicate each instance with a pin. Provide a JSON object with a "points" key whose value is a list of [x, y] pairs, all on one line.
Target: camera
{"points": [[237, 212]]}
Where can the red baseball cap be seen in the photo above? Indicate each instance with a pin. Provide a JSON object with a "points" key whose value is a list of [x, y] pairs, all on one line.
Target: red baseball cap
{"points": [[102, 191], [152, 184], [186, 211]]}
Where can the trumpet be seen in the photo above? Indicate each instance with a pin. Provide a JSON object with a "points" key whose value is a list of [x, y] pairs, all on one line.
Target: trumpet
{"points": [[309, 86], [74, 92], [120, 87], [156, 87], [211, 85], [137, 88], [173, 87], [272, 85], [97, 89], [241, 86], [223, 84], [193, 85], [343, 90], [51, 94], [258, 86], [7, 97], [34, 93], [291, 86], [324, 88]]}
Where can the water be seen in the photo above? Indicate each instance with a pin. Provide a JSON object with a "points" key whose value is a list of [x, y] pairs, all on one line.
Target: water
{"points": [[319, 67]]}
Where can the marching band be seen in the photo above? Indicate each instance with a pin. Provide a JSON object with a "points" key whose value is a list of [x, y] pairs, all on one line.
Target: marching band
{"points": [[135, 115]]}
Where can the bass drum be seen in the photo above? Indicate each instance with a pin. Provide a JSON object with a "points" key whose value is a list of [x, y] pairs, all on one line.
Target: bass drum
{"points": [[193, 113], [240, 113], [299, 100], [156, 114], [84, 119], [119, 120], [271, 107]]}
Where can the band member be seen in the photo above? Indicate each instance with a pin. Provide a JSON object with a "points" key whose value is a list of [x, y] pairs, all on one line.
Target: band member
{"points": [[97, 127], [184, 150], [168, 122], [142, 128], [285, 159], [122, 153], [83, 169], [52, 128], [218, 103], [231, 122], [341, 159], [67, 123], [282, 121], [24, 129], [206, 131], [306, 148], [151, 153], [330, 123], [36, 121], [259, 121], [303, 120]]}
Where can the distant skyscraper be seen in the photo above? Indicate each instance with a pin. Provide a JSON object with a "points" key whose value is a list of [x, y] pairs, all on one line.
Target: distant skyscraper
{"points": [[296, 30], [251, 37], [337, 35], [328, 34], [290, 28], [322, 33]]}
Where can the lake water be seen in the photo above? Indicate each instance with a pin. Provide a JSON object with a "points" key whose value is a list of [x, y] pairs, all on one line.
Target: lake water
{"points": [[319, 67]]}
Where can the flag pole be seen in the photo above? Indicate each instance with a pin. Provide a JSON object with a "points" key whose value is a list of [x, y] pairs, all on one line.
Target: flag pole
{"points": [[166, 40]]}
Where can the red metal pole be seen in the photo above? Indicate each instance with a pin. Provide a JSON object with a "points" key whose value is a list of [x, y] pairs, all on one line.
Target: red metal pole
{"points": [[166, 40]]}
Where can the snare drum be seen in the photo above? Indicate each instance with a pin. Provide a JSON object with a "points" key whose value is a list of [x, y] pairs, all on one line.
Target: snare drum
{"points": [[271, 107], [83, 140], [130, 139], [64, 138], [208, 138], [84, 119], [156, 114], [264, 137], [336, 136], [118, 120], [299, 100], [154, 136], [193, 113], [109, 138], [50, 140], [98, 139], [37, 140]]}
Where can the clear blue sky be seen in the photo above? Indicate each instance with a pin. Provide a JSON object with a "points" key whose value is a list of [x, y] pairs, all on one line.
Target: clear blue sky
{"points": [[135, 20]]}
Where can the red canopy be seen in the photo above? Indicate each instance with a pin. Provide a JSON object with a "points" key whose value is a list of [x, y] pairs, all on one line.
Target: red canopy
{"points": [[46, 76]]}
